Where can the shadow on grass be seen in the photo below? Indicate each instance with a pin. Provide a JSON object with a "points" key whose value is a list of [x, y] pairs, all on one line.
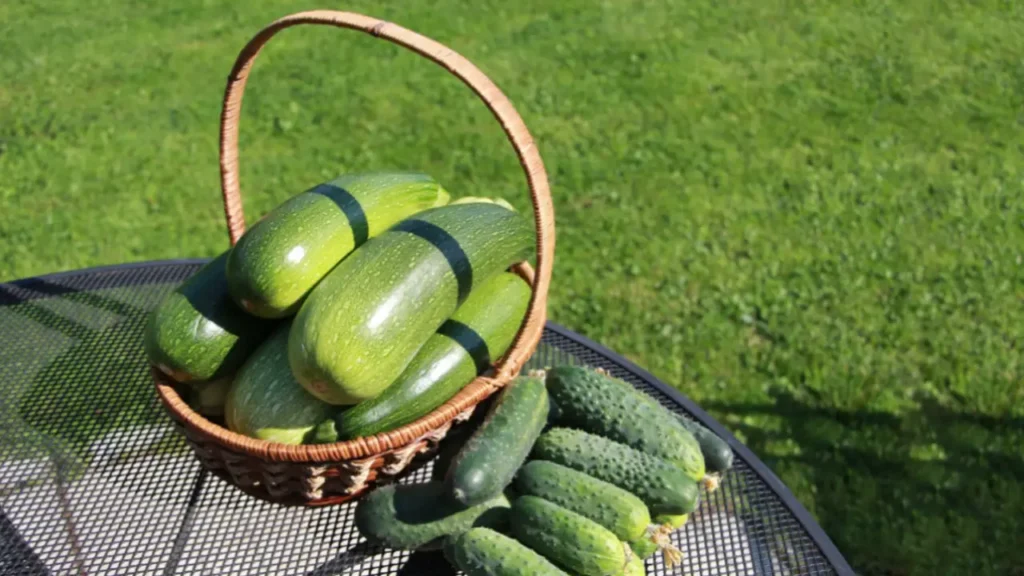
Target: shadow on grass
{"points": [[933, 491]]}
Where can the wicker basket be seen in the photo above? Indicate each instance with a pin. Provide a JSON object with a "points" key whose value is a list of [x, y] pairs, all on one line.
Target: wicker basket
{"points": [[333, 473]]}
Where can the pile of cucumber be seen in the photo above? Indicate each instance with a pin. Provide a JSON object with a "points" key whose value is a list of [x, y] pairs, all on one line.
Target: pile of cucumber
{"points": [[570, 472], [351, 309]]}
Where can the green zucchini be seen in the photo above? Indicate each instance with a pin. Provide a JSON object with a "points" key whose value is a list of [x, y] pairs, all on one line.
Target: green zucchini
{"points": [[283, 256], [208, 398], [491, 457], [470, 199], [718, 455], [573, 542], [466, 344], [602, 405], [419, 517], [484, 552], [664, 488], [266, 402], [364, 323], [197, 334], [622, 513]]}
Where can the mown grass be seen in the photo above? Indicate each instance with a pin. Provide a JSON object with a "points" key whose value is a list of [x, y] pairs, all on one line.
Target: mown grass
{"points": [[807, 215]]}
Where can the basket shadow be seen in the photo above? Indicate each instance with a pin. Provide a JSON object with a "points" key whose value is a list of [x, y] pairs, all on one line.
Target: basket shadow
{"points": [[892, 490]]}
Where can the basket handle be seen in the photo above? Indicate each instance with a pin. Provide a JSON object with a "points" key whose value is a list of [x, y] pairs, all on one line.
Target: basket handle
{"points": [[529, 158]]}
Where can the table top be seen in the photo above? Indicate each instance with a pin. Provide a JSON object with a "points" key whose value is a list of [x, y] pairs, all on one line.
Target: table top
{"points": [[94, 479]]}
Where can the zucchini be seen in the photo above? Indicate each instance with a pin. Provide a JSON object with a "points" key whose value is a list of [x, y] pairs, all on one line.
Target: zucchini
{"points": [[470, 199], [283, 256], [602, 405], [718, 455], [208, 398], [479, 333], [622, 513], [571, 541], [266, 402], [664, 488], [364, 323], [197, 334], [484, 552], [491, 457], [419, 517]]}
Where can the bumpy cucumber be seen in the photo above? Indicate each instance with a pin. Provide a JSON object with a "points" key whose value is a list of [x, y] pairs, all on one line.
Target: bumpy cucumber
{"points": [[602, 405], [664, 488], [622, 513], [573, 542], [266, 402], [718, 455], [197, 334], [419, 516], [484, 552], [635, 567], [643, 547], [479, 333], [489, 460], [363, 324], [282, 257], [672, 520]]}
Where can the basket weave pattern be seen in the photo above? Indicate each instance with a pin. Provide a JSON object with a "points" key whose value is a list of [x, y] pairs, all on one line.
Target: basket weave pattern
{"points": [[332, 473]]}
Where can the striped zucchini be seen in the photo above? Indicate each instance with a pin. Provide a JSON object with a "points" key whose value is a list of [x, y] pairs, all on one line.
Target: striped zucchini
{"points": [[283, 256], [466, 344], [362, 326]]}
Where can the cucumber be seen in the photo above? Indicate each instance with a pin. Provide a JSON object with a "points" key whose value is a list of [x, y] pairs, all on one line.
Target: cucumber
{"points": [[571, 541], [283, 256], [664, 488], [484, 552], [718, 455], [266, 402], [491, 457], [674, 521], [208, 398], [197, 333], [599, 404], [362, 326], [622, 513], [635, 567], [643, 548], [419, 517], [479, 333]]}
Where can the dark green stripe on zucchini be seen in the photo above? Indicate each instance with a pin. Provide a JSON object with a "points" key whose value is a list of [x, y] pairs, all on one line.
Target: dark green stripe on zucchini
{"points": [[197, 333], [571, 541], [484, 552], [491, 457], [420, 517], [283, 256], [622, 513], [602, 405], [362, 326], [479, 332], [662, 486]]}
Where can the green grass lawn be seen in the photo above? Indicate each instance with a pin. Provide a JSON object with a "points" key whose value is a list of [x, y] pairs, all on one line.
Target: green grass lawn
{"points": [[807, 215]]}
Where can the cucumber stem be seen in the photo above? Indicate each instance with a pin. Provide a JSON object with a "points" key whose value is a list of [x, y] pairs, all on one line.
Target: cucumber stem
{"points": [[711, 481], [659, 534]]}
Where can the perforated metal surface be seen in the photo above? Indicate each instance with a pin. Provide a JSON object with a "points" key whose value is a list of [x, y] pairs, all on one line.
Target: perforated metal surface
{"points": [[93, 480]]}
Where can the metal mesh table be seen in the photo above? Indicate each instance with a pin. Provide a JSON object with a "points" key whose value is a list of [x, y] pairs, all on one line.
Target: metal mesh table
{"points": [[94, 480]]}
